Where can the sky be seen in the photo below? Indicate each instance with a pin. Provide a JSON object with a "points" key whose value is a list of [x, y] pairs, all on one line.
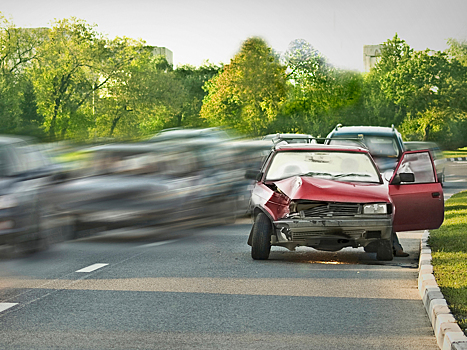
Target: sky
{"points": [[214, 30]]}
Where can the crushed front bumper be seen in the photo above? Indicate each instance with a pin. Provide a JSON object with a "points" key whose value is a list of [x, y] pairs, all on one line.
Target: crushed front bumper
{"points": [[355, 231]]}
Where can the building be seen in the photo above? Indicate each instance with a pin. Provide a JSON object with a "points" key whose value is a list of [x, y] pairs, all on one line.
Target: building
{"points": [[163, 51], [371, 54]]}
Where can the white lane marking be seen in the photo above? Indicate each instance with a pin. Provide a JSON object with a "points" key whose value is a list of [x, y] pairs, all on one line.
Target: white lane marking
{"points": [[92, 267], [4, 306], [155, 244]]}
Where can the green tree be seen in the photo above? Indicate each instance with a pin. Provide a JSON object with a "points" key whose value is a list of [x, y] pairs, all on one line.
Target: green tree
{"points": [[379, 102], [71, 64], [247, 94], [458, 50], [421, 92], [320, 96], [18, 112], [142, 97], [193, 80]]}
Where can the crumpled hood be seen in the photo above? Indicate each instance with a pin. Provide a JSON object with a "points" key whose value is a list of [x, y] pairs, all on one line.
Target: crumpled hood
{"points": [[317, 189]]}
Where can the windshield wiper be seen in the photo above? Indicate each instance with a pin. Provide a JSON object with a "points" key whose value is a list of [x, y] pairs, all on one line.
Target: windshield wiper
{"points": [[352, 174], [313, 173]]}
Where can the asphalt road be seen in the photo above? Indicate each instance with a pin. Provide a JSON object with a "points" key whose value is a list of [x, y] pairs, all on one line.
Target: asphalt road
{"points": [[202, 290]]}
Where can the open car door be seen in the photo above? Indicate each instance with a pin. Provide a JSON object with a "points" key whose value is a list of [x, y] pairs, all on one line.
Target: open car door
{"points": [[416, 193]]}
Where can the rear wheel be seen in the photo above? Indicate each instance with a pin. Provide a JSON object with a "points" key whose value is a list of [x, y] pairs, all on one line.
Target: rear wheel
{"points": [[384, 252], [261, 238]]}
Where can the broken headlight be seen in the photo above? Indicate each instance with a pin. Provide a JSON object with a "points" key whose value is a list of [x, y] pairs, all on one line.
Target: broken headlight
{"points": [[375, 208]]}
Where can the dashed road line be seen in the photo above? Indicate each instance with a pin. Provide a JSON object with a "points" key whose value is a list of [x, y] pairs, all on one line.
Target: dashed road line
{"points": [[4, 306], [91, 268], [155, 244]]}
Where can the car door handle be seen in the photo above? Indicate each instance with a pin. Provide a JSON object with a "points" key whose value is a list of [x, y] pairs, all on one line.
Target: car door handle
{"points": [[435, 194]]}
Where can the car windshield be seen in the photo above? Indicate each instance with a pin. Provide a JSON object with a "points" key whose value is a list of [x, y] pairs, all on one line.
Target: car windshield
{"points": [[338, 166]]}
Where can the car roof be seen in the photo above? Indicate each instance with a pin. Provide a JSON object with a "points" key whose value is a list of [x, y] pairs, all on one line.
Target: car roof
{"points": [[421, 144], [287, 136], [6, 139], [367, 130], [187, 133], [319, 147]]}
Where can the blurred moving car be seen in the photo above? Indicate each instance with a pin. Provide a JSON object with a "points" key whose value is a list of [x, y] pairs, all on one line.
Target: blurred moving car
{"points": [[150, 184], [215, 134], [331, 196], [436, 154], [385, 144], [26, 176]]}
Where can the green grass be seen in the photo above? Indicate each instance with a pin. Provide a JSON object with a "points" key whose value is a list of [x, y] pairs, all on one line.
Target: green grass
{"points": [[449, 251], [461, 152]]}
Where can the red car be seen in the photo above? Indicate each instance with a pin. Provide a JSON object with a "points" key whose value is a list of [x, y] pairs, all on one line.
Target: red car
{"points": [[329, 197]]}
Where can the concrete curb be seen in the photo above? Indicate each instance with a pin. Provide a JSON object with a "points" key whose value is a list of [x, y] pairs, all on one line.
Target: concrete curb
{"points": [[448, 333], [455, 159]]}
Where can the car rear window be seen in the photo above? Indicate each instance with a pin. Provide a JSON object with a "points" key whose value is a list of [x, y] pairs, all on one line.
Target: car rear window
{"points": [[379, 146]]}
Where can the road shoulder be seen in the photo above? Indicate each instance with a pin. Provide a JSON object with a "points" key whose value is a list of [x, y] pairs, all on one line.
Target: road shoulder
{"points": [[448, 333]]}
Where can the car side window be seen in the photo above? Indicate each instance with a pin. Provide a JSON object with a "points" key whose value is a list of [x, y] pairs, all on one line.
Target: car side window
{"points": [[420, 165], [15, 163]]}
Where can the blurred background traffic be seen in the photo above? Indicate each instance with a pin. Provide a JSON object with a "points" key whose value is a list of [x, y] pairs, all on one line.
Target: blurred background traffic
{"points": [[178, 178]]}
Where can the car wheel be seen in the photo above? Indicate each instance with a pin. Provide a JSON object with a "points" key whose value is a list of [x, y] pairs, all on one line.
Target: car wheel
{"points": [[384, 252], [261, 239], [37, 239], [372, 247]]}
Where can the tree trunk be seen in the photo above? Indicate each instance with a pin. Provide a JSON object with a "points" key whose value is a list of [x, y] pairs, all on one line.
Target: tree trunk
{"points": [[114, 124], [427, 132]]}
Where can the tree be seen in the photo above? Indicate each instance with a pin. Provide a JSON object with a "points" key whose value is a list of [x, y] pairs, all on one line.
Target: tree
{"points": [[247, 94], [379, 103], [320, 96], [421, 92], [18, 112], [71, 64], [193, 80], [142, 97], [458, 50]]}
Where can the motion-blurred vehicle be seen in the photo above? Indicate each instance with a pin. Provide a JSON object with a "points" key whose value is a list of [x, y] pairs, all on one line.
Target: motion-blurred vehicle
{"points": [[26, 176], [215, 134], [331, 196], [289, 138], [436, 154], [385, 144], [145, 184]]}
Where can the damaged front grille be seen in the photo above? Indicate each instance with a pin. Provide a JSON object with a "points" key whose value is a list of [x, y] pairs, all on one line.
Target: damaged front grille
{"points": [[332, 209], [302, 236]]}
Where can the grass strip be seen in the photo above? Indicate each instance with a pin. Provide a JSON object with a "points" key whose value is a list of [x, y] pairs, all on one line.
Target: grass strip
{"points": [[449, 252], [461, 152]]}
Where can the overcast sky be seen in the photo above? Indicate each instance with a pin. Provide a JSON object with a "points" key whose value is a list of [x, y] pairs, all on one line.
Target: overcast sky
{"points": [[198, 30]]}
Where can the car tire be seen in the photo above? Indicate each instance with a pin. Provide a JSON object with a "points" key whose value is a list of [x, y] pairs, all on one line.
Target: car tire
{"points": [[384, 252], [261, 239], [37, 239]]}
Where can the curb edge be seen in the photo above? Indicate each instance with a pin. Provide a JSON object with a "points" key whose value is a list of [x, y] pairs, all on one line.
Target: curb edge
{"points": [[449, 335]]}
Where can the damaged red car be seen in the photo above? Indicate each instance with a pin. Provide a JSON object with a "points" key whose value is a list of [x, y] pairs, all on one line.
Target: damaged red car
{"points": [[330, 197]]}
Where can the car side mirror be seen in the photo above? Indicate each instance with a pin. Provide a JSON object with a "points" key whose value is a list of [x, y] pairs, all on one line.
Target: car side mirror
{"points": [[253, 175], [403, 177]]}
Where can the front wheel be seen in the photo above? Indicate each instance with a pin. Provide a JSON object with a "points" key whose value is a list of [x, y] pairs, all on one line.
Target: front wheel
{"points": [[261, 238], [384, 252]]}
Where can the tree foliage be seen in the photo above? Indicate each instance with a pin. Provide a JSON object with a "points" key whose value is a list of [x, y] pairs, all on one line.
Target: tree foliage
{"points": [[421, 92], [18, 112], [193, 80], [320, 94], [247, 94], [70, 81]]}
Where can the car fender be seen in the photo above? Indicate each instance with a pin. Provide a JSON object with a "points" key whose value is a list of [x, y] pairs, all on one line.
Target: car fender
{"points": [[256, 211]]}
